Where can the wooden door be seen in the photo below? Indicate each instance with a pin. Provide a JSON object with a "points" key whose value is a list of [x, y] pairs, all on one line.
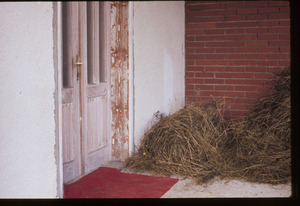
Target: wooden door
{"points": [[85, 109]]}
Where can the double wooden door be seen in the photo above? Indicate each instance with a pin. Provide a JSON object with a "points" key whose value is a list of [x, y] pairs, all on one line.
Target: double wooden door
{"points": [[86, 88]]}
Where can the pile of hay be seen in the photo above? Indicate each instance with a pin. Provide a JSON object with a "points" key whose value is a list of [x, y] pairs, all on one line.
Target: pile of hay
{"points": [[261, 143], [194, 142]]}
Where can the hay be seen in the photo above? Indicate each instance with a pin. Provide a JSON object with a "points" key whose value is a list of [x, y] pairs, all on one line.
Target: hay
{"points": [[261, 143], [194, 142]]}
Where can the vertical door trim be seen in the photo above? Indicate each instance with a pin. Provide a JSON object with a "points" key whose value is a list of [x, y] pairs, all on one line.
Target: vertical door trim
{"points": [[57, 55]]}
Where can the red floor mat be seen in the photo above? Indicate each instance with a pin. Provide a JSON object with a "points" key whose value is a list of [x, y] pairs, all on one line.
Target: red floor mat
{"points": [[111, 183]]}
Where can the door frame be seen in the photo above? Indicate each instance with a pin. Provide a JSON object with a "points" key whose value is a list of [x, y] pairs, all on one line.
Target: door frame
{"points": [[57, 56]]}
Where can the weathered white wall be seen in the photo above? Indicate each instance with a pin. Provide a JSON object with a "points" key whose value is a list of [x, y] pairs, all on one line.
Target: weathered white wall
{"points": [[158, 61], [27, 116]]}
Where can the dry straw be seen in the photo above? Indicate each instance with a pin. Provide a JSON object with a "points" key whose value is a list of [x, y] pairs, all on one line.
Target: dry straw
{"points": [[195, 142]]}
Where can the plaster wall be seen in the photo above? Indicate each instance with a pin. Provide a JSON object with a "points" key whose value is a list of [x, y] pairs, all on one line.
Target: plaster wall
{"points": [[27, 112], [158, 62]]}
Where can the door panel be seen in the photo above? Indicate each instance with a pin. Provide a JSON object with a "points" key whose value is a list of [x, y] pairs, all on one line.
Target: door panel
{"points": [[70, 94], [95, 95], [85, 108]]}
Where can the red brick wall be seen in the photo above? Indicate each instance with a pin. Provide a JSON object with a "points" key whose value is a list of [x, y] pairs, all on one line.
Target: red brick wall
{"points": [[233, 49]]}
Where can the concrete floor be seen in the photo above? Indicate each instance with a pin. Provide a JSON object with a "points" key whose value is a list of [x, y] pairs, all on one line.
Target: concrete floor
{"points": [[188, 188]]}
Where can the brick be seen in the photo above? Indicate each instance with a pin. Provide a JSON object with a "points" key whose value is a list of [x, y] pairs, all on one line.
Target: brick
{"points": [[256, 4], [268, 23], [189, 87], [247, 11], [254, 94], [207, 6], [256, 69], [204, 87], [189, 50], [204, 62], [194, 32], [205, 38], [194, 81], [225, 50], [189, 62], [279, 30], [235, 69], [246, 37], [257, 17], [279, 43], [267, 63], [255, 82], [255, 56], [225, 12], [224, 75], [264, 76], [213, 31], [213, 93], [268, 10], [245, 62], [234, 81], [214, 56], [285, 36], [189, 74], [214, 81], [267, 36], [225, 25], [276, 69], [245, 101], [267, 49], [190, 99], [224, 62], [214, 68], [204, 74], [205, 25], [279, 16], [284, 63], [257, 43], [234, 31], [225, 37], [235, 94], [194, 44], [194, 56], [194, 68], [244, 88], [246, 50], [246, 24], [235, 44], [232, 4], [284, 23], [204, 50], [263, 88], [256, 30], [236, 106], [198, 13], [190, 93], [214, 44], [284, 9], [244, 75], [189, 38], [284, 49], [224, 87], [278, 3], [278, 56], [235, 18], [234, 56]]}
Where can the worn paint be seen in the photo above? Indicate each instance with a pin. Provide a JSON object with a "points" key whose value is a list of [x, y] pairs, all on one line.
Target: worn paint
{"points": [[119, 80]]}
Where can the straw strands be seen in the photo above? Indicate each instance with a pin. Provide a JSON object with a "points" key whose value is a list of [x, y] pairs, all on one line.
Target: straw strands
{"points": [[195, 142]]}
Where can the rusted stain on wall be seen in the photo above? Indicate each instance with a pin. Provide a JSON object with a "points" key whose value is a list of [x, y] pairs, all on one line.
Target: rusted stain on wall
{"points": [[119, 80]]}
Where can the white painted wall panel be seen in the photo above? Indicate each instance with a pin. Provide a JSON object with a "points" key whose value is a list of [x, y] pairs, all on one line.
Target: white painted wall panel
{"points": [[27, 116], [158, 63]]}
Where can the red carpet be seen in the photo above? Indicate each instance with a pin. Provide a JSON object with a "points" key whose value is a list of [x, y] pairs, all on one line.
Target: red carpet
{"points": [[111, 183]]}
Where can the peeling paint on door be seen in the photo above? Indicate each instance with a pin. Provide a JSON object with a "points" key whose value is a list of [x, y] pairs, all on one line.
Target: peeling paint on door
{"points": [[119, 80]]}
